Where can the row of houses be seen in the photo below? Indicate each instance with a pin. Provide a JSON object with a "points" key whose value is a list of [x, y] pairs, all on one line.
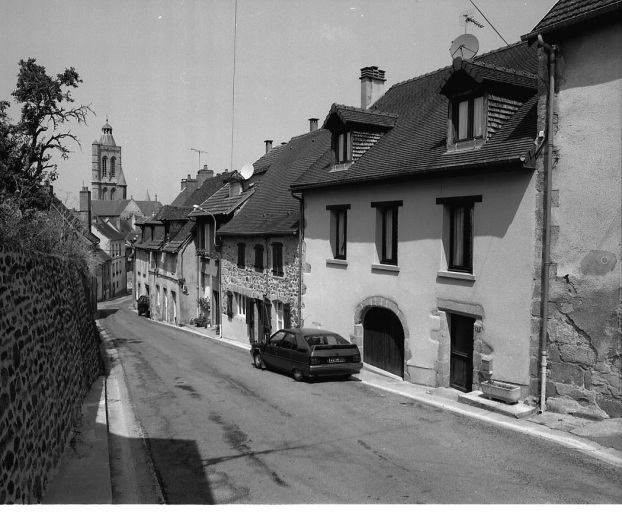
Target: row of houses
{"points": [[463, 222]]}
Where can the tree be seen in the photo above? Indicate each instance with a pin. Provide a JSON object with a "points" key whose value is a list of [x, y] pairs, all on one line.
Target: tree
{"points": [[27, 148]]}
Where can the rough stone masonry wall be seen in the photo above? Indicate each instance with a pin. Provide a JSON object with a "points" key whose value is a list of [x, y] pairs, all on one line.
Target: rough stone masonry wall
{"points": [[49, 357], [257, 284], [585, 308]]}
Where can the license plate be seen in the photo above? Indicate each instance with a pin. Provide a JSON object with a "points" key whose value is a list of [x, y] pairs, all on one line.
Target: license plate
{"points": [[336, 359]]}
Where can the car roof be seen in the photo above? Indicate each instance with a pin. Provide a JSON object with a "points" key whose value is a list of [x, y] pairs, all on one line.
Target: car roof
{"points": [[310, 331]]}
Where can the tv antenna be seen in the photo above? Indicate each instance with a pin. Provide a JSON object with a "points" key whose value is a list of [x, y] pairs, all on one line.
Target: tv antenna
{"points": [[199, 151], [467, 17]]}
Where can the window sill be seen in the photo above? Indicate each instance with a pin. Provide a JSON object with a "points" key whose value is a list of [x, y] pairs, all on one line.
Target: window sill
{"points": [[455, 275], [386, 268], [337, 263], [342, 166]]}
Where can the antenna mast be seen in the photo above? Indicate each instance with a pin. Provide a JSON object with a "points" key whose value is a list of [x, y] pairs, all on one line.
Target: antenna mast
{"points": [[199, 151]]}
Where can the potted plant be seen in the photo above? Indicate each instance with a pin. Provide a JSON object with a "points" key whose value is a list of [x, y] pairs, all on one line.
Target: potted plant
{"points": [[494, 389], [201, 321]]}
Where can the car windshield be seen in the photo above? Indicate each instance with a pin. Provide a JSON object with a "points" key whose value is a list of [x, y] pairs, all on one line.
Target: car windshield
{"points": [[325, 339]]}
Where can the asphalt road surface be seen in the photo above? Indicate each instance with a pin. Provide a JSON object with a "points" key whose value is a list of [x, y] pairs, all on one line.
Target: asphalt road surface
{"points": [[220, 431]]}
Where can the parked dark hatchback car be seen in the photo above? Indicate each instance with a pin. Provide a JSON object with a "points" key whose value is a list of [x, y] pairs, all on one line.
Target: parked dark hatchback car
{"points": [[143, 305], [308, 353]]}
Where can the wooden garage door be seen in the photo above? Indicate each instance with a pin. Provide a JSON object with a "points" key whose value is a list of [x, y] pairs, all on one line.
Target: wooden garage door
{"points": [[383, 341]]}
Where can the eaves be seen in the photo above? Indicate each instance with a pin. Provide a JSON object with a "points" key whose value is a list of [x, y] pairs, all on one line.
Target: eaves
{"points": [[513, 163]]}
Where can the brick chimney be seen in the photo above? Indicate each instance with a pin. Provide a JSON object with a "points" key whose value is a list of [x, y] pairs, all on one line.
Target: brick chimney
{"points": [[204, 174], [372, 85], [313, 124], [268, 145]]}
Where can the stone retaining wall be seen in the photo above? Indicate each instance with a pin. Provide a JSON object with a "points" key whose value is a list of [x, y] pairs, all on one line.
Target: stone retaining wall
{"points": [[49, 357]]}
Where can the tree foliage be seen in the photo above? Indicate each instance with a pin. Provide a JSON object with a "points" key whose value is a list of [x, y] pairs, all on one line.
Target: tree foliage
{"points": [[32, 219], [27, 147]]}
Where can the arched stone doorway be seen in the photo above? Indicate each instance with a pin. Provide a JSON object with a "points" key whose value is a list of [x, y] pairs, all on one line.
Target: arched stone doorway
{"points": [[382, 335]]}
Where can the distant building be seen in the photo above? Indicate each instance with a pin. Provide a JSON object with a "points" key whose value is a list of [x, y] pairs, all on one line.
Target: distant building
{"points": [[108, 182]]}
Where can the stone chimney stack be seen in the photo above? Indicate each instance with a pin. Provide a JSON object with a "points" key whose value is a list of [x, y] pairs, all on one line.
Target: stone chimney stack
{"points": [[189, 185], [85, 206], [313, 124], [372, 85], [268, 145], [204, 174]]}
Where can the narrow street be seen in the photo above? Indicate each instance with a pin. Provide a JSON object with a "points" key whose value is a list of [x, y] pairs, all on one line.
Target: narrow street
{"points": [[220, 431]]}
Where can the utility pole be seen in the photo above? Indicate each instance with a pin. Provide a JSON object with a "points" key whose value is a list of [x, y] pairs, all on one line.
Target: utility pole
{"points": [[199, 151]]}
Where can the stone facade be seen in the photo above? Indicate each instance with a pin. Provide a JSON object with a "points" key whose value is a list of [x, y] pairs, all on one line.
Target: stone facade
{"points": [[585, 300], [49, 357], [259, 284]]}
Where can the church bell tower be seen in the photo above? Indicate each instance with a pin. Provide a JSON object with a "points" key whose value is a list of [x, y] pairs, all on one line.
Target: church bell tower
{"points": [[107, 182]]}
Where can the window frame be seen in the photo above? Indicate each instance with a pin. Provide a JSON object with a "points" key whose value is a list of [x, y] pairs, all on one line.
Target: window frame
{"points": [[277, 262], [452, 206], [241, 255], [335, 212], [259, 258], [470, 127], [342, 147], [384, 208]]}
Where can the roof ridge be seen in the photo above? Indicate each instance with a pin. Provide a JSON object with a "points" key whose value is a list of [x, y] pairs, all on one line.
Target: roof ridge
{"points": [[365, 110]]}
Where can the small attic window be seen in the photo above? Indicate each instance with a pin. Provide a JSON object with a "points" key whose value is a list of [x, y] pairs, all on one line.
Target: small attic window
{"points": [[342, 147], [467, 121]]}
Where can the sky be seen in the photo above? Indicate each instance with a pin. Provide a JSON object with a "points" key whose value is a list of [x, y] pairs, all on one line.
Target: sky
{"points": [[177, 75]]}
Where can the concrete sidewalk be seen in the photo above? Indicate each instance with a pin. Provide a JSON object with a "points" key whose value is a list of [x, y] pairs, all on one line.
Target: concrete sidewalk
{"points": [[84, 473]]}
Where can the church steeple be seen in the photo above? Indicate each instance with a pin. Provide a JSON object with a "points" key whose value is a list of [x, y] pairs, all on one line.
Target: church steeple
{"points": [[108, 182]]}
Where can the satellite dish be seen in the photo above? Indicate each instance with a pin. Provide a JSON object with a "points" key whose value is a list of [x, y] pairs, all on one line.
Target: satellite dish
{"points": [[247, 171], [465, 46]]}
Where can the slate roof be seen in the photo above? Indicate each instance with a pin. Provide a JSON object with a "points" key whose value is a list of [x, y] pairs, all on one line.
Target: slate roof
{"points": [[481, 72], [209, 187], [108, 231], [272, 209], [178, 241], [264, 163], [148, 208], [109, 208], [361, 116], [221, 204], [173, 213], [567, 13], [417, 145]]}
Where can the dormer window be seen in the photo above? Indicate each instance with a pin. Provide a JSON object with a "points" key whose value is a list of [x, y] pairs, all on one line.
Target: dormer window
{"points": [[468, 119], [342, 147]]}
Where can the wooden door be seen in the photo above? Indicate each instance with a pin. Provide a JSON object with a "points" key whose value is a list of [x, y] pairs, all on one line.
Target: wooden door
{"points": [[461, 359], [383, 341]]}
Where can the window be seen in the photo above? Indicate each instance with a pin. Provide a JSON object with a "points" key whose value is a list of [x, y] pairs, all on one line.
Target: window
{"points": [[241, 255], [342, 147], [459, 240], [241, 302], [339, 230], [278, 310], [277, 259], [468, 118], [386, 232], [105, 166], [259, 258], [158, 294], [113, 161]]}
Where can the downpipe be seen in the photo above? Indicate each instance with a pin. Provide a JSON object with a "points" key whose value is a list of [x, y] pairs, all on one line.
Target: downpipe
{"points": [[551, 51]]}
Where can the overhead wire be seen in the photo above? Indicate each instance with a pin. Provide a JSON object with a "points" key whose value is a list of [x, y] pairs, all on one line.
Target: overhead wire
{"points": [[478, 10]]}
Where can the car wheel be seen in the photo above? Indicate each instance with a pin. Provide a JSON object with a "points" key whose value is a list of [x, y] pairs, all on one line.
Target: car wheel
{"points": [[257, 360], [298, 376]]}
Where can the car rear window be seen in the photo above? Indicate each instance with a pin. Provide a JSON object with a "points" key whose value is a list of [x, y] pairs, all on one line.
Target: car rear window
{"points": [[325, 339]]}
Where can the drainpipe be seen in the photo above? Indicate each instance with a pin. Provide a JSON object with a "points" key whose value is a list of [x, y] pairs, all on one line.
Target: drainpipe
{"points": [[300, 238], [546, 255]]}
